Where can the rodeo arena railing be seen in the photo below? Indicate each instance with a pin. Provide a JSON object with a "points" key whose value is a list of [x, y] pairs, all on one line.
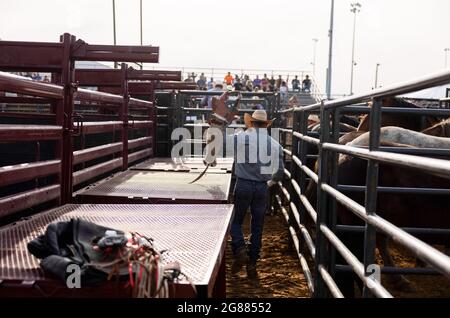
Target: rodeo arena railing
{"points": [[68, 136], [321, 242]]}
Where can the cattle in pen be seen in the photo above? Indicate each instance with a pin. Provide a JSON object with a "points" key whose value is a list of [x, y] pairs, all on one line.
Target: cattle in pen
{"points": [[403, 210]]}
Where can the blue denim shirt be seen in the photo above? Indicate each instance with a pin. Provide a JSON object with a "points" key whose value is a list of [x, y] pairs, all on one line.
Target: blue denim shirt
{"points": [[257, 156]]}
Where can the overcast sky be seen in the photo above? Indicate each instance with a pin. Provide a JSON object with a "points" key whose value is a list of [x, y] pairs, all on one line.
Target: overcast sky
{"points": [[407, 37]]}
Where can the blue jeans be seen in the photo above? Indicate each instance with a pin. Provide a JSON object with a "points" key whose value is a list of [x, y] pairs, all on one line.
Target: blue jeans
{"points": [[247, 194]]}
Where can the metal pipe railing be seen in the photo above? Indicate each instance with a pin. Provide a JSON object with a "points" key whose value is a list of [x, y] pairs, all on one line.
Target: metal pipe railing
{"points": [[329, 192], [394, 90]]}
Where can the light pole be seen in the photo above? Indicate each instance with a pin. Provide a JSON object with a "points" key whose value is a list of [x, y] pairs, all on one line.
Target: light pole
{"points": [[142, 64], [314, 55], [355, 8], [446, 50], [330, 52], [114, 25], [376, 75]]}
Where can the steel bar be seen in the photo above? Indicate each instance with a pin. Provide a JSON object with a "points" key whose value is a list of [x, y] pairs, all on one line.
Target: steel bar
{"points": [[25, 100], [100, 97], [410, 230], [399, 190], [114, 53], [31, 56], [437, 166], [135, 156], [422, 250], [27, 115], [95, 171], [396, 270], [371, 193], [138, 124], [23, 85], [308, 139], [9, 133], [88, 154], [303, 230], [331, 284], [416, 151], [353, 261], [28, 199], [139, 142], [135, 103], [28, 171], [113, 77], [322, 257], [396, 110], [302, 259]]}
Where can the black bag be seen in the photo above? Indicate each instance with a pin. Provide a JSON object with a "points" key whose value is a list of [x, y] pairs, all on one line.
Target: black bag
{"points": [[73, 242]]}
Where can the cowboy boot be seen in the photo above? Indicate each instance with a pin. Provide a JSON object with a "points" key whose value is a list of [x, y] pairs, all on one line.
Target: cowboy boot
{"points": [[252, 273], [240, 259]]}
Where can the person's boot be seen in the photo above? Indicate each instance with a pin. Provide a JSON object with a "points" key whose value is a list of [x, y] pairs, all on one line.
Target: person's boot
{"points": [[240, 259], [252, 273]]}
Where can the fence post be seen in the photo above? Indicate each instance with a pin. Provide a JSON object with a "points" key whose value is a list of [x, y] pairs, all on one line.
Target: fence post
{"points": [[67, 143], [322, 257], [124, 116], [332, 204], [371, 190]]}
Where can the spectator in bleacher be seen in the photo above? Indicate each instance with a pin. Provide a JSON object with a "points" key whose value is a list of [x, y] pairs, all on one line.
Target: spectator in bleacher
{"points": [[307, 84], [201, 83], [296, 84], [278, 82], [194, 76], [211, 83], [189, 79], [249, 86], [284, 93], [46, 79], [207, 100], [36, 77], [272, 83], [229, 79], [265, 83], [257, 82], [238, 85]]}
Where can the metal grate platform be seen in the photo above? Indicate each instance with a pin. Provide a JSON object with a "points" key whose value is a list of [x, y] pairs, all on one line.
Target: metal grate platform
{"points": [[185, 164], [158, 187], [193, 235]]}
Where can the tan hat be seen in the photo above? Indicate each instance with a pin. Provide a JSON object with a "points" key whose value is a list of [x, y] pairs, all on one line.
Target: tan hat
{"points": [[258, 115]]}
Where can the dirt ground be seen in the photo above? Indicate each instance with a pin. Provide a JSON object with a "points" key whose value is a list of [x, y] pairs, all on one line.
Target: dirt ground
{"points": [[422, 286], [279, 269], [281, 277]]}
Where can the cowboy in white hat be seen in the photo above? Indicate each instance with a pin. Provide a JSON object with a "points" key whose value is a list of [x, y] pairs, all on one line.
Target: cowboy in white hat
{"points": [[262, 168], [258, 166]]}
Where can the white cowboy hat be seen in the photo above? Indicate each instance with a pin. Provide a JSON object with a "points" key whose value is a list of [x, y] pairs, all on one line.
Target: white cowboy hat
{"points": [[258, 115]]}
